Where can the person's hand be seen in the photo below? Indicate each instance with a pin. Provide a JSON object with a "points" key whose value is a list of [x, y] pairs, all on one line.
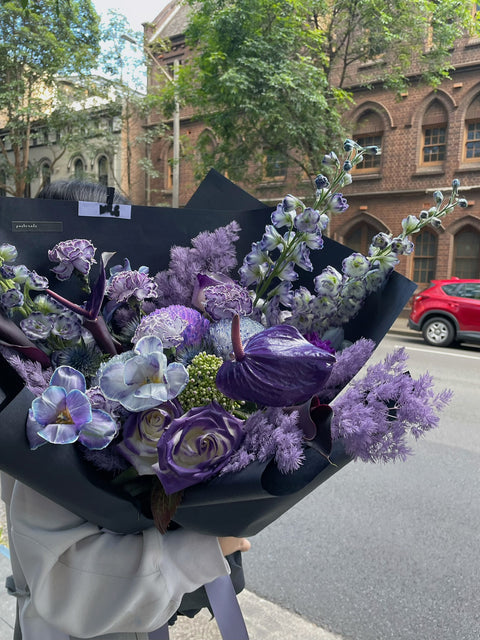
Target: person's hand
{"points": [[229, 544]]}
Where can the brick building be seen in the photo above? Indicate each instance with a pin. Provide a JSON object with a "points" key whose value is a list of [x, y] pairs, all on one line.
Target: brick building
{"points": [[427, 138]]}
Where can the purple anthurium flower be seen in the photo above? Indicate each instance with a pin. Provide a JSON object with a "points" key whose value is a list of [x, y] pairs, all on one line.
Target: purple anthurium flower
{"points": [[63, 414], [197, 446], [276, 368], [142, 378]]}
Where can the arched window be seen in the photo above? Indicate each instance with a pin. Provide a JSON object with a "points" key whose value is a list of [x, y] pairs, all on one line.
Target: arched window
{"points": [[466, 255], [78, 169], [103, 170], [206, 146], [434, 133], [46, 173], [360, 237], [369, 132], [472, 132], [425, 256], [274, 166]]}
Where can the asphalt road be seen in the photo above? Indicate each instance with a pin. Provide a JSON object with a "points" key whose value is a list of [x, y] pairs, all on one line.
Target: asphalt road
{"points": [[391, 551]]}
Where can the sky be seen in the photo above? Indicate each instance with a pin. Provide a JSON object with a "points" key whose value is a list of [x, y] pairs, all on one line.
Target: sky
{"points": [[135, 12]]}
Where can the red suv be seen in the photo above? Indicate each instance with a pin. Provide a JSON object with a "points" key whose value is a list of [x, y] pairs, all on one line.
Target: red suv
{"points": [[447, 311]]}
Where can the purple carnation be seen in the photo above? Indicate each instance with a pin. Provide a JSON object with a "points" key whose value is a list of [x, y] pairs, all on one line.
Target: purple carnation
{"points": [[131, 284], [175, 325], [72, 254], [227, 300]]}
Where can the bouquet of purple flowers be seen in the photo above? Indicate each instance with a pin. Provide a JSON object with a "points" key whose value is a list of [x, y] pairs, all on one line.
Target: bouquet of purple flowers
{"points": [[194, 388]]}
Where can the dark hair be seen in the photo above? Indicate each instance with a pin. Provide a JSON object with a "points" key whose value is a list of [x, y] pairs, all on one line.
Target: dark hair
{"points": [[79, 190]]}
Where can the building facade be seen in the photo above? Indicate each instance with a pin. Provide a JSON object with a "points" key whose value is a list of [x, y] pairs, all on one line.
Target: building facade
{"points": [[104, 151], [428, 137]]}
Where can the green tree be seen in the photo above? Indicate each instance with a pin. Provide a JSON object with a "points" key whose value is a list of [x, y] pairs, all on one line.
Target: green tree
{"points": [[125, 61], [274, 74], [39, 43]]}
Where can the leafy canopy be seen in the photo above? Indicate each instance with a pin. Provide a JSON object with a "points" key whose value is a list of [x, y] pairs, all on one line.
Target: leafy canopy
{"points": [[39, 43], [275, 74]]}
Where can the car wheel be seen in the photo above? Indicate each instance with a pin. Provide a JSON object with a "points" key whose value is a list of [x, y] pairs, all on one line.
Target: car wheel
{"points": [[438, 332]]}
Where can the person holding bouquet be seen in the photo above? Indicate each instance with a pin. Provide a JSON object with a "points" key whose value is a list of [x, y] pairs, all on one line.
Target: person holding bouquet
{"points": [[74, 580]]}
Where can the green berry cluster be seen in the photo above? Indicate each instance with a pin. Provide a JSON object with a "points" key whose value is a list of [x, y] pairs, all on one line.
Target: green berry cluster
{"points": [[201, 388]]}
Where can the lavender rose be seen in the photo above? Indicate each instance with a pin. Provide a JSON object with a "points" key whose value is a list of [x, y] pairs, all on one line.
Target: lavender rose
{"points": [[72, 254], [141, 433], [197, 446]]}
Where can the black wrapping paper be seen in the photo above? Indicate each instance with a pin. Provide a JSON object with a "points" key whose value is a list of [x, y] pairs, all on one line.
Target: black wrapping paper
{"points": [[238, 504]]}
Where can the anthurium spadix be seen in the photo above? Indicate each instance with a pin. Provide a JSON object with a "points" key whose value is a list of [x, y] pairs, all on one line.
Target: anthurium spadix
{"points": [[276, 368]]}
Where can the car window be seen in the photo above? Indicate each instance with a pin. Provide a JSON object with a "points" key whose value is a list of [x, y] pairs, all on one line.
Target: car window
{"points": [[470, 290], [453, 289]]}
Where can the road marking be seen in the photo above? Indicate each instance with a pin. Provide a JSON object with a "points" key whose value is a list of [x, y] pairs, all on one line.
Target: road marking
{"points": [[440, 353]]}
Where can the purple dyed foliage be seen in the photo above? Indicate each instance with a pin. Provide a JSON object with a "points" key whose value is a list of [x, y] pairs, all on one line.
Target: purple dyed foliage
{"points": [[35, 377], [376, 414], [210, 252], [348, 364], [270, 433]]}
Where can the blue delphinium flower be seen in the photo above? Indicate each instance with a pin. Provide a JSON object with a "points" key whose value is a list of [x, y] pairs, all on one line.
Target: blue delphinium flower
{"points": [[355, 265], [63, 414], [307, 220], [271, 239], [283, 217], [337, 203]]}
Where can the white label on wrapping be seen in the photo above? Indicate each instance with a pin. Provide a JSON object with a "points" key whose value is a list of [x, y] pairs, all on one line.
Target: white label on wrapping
{"points": [[98, 210]]}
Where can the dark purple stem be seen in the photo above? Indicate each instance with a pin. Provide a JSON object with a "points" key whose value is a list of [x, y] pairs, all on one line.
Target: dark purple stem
{"points": [[102, 337], [70, 305], [237, 340], [12, 336]]}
